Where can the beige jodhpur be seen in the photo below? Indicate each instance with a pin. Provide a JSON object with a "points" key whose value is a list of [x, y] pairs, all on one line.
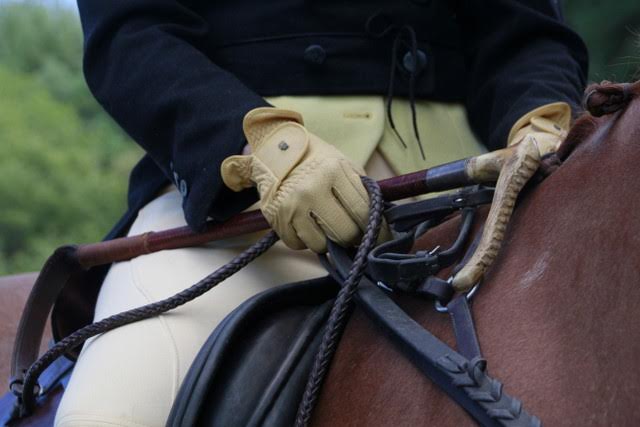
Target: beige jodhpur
{"points": [[130, 376]]}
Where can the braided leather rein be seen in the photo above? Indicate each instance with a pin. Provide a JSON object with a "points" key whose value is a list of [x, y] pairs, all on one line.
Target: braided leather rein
{"points": [[342, 306], [28, 389]]}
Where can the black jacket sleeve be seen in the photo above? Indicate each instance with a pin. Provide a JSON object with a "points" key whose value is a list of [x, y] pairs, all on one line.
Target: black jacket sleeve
{"points": [[519, 56], [143, 64]]}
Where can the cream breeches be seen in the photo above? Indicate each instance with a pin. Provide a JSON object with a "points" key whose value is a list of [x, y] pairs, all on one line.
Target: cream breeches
{"points": [[130, 376]]}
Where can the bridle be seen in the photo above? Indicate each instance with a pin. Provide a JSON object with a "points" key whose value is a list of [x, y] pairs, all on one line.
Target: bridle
{"points": [[392, 264], [461, 374]]}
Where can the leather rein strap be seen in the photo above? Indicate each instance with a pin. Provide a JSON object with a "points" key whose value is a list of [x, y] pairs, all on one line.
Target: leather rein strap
{"points": [[58, 269], [462, 375], [393, 265]]}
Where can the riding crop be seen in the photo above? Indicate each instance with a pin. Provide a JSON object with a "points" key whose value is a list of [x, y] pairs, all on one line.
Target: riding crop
{"points": [[481, 169]]}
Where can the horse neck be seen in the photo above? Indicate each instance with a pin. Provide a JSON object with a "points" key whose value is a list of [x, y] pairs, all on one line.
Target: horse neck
{"points": [[556, 315], [565, 289]]}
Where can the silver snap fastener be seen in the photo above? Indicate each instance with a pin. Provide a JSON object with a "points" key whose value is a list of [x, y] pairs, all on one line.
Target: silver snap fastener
{"points": [[183, 188], [283, 146]]}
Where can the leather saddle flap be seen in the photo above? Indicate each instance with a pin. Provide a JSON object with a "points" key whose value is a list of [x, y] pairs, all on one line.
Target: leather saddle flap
{"points": [[253, 368]]}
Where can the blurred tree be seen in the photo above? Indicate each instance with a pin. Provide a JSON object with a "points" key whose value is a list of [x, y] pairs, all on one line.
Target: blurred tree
{"points": [[54, 189], [64, 163], [46, 43]]}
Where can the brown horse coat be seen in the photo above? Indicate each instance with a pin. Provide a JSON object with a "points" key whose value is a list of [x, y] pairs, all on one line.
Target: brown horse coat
{"points": [[14, 291]]}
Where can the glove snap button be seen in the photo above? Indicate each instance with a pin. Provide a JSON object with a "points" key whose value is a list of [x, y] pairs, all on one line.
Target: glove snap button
{"points": [[283, 146]]}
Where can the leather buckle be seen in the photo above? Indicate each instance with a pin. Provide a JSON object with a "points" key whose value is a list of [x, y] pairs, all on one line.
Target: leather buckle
{"points": [[16, 387]]}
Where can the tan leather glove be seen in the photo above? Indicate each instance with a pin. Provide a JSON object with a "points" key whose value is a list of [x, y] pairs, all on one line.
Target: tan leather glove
{"points": [[547, 124], [308, 189]]}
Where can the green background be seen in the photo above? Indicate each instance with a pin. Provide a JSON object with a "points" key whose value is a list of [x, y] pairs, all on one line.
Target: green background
{"points": [[64, 164]]}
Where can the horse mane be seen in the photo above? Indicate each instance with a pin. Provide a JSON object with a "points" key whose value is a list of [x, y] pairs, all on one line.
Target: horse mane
{"points": [[582, 128], [607, 97], [600, 99]]}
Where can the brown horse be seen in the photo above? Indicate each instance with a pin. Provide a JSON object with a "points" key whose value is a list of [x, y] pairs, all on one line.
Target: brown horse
{"points": [[557, 316]]}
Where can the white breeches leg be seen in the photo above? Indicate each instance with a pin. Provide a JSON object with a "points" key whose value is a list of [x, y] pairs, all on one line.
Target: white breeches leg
{"points": [[135, 371]]}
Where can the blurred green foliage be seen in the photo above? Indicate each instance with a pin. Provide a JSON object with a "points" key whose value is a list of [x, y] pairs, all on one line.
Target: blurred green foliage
{"points": [[64, 164], [611, 30]]}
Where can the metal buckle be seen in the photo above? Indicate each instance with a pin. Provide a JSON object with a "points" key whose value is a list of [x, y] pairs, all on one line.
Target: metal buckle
{"points": [[468, 295], [16, 388], [459, 201], [383, 286]]}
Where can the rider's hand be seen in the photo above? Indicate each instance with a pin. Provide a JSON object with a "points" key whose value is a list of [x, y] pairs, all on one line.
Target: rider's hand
{"points": [[547, 125], [308, 189]]}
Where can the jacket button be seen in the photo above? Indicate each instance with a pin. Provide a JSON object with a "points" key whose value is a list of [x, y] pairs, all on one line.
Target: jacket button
{"points": [[315, 54], [407, 61]]}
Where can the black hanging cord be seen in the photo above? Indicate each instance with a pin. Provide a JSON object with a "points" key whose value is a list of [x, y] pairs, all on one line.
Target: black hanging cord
{"points": [[390, 90], [25, 391], [342, 306], [413, 71], [412, 82]]}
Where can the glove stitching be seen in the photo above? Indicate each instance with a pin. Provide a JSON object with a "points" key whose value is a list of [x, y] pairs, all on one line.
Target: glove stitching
{"points": [[359, 220], [348, 208], [314, 224], [329, 231]]}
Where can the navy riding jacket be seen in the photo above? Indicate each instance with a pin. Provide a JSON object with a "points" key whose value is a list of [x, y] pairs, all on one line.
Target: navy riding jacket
{"points": [[179, 75]]}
